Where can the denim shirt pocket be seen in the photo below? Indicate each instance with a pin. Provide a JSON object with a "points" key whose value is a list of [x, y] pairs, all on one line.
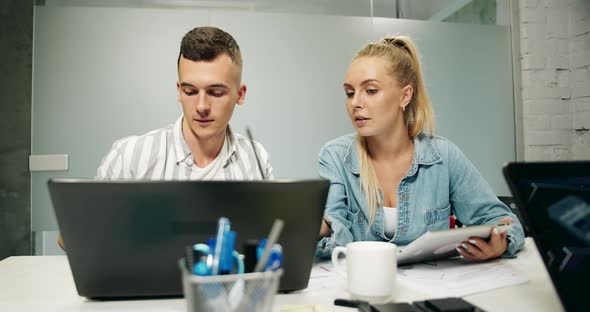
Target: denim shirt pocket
{"points": [[358, 227], [437, 215]]}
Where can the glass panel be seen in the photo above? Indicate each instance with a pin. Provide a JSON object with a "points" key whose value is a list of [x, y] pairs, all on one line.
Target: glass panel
{"points": [[454, 11], [104, 73]]}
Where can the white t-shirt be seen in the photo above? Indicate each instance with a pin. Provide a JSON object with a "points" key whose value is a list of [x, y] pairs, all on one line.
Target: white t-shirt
{"points": [[214, 170], [389, 220]]}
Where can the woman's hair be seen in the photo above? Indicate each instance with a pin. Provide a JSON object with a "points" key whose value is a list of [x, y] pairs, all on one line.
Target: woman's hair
{"points": [[404, 65]]}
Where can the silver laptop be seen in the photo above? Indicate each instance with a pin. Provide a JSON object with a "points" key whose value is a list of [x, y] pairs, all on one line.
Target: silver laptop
{"points": [[124, 238]]}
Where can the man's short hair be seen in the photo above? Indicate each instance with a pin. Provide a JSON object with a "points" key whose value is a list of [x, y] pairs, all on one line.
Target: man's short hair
{"points": [[207, 43]]}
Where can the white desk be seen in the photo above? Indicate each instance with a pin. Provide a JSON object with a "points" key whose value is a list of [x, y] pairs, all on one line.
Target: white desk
{"points": [[45, 283]]}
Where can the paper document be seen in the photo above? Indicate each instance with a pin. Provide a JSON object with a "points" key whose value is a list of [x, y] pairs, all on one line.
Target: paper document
{"points": [[323, 277], [321, 269], [451, 278]]}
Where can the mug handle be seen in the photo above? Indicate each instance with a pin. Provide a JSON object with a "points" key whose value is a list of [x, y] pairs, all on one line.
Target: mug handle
{"points": [[335, 261]]}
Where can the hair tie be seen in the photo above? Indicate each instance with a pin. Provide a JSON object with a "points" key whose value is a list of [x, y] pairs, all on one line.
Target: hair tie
{"points": [[395, 42]]}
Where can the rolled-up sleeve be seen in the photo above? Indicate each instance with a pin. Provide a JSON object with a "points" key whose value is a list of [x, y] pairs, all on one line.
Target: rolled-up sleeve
{"points": [[336, 211]]}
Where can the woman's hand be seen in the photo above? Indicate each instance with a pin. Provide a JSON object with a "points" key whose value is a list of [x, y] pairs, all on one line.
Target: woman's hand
{"points": [[479, 249]]}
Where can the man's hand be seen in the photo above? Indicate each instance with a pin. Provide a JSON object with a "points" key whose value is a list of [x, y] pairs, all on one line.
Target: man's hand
{"points": [[479, 249]]}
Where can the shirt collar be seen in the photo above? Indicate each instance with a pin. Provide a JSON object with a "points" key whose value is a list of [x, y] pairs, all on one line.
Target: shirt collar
{"points": [[425, 153], [230, 141], [184, 154]]}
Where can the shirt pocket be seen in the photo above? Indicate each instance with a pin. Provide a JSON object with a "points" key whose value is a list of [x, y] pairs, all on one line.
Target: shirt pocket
{"points": [[438, 215], [357, 229]]}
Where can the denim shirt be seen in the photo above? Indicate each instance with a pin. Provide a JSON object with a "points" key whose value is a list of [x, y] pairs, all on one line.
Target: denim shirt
{"points": [[439, 181]]}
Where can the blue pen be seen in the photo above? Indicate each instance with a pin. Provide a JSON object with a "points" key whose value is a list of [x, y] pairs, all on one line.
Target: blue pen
{"points": [[223, 226], [226, 261]]}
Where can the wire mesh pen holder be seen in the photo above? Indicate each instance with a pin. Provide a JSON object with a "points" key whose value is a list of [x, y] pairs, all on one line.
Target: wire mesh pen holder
{"points": [[250, 292]]}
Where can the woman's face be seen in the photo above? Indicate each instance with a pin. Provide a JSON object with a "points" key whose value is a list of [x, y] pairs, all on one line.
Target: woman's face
{"points": [[374, 98]]}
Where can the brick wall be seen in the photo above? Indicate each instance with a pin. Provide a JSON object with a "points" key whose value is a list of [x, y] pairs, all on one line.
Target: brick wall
{"points": [[555, 62]]}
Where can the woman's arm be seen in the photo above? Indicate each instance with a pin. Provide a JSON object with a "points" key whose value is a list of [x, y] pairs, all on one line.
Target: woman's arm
{"points": [[60, 242], [336, 228], [325, 229], [474, 203]]}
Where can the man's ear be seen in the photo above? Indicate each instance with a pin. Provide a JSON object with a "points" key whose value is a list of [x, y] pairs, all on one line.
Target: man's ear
{"points": [[178, 91], [241, 94], [407, 93]]}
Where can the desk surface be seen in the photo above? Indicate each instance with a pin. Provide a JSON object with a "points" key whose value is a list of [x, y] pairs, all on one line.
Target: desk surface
{"points": [[45, 283]]}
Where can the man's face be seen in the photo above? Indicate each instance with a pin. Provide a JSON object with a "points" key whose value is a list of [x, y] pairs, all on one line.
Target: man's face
{"points": [[208, 92]]}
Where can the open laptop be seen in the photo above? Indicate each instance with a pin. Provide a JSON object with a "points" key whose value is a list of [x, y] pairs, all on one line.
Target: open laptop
{"points": [[124, 238], [554, 199]]}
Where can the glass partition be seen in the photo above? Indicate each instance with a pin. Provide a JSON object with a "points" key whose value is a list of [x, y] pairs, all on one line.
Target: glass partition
{"points": [[102, 73]]}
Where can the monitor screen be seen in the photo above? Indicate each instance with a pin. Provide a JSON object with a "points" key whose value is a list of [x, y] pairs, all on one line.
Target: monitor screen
{"points": [[558, 213]]}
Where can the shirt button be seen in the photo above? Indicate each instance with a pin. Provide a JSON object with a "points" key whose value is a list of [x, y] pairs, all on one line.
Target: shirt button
{"points": [[403, 197]]}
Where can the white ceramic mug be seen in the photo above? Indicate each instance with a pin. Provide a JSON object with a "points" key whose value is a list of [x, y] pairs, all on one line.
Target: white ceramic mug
{"points": [[371, 269]]}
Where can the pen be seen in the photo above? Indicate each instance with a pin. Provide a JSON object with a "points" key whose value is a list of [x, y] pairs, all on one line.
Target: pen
{"points": [[223, 226], [273, 236]]}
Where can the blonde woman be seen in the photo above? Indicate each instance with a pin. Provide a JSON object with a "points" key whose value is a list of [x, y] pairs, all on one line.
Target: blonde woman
{"points": [[393, 179]]}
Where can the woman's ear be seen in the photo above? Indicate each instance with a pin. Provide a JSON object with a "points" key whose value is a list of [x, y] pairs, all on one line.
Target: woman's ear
{"points": [[407, 94]]}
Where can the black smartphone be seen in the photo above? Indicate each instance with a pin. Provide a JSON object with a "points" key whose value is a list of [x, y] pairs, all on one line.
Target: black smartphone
{"points": [[394, 307], [447, 305]]}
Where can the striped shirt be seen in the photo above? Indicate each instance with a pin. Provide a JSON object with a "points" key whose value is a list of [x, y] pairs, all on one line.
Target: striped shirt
{"points": [[163, 154]]}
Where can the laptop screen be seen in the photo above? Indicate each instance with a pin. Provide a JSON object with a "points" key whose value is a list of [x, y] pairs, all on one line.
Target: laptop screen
{"points": [[557, 210]]}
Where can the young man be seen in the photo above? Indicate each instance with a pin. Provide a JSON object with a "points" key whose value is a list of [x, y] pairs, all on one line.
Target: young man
{"points": [[200, 145]]}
